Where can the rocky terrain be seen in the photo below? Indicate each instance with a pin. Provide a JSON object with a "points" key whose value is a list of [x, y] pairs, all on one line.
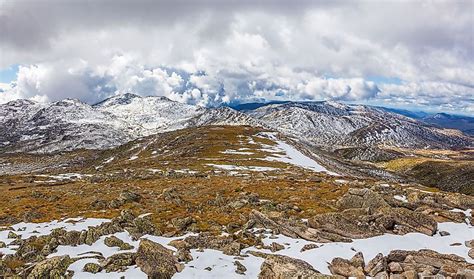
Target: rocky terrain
{"points": [[139, 187], [214, 201]]}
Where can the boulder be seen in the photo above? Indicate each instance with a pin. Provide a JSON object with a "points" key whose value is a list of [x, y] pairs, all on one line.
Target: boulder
{"points": [[156, 261], [118, 262], [283, 267], [274, 247], [129, 196], [113, 241], [54, 267], [410, 221], [349, 223], [92, 268], [293, 229], [376, 265], [310, 246], [348, 268], [240, 268], [361, 198], [182, 223]]}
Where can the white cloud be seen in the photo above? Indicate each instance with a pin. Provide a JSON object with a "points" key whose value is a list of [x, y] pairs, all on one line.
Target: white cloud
{"points": [[207, 52]]}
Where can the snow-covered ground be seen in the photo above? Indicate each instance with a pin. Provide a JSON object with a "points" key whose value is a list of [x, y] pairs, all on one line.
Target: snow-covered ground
{"points": [[286, 153], [26, 230], [236, 152], [370, 247], [222, 266], [241, 168]]}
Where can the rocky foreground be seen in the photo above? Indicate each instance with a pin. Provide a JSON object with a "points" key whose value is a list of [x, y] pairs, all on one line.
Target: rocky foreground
{"points": [[132, 246]]}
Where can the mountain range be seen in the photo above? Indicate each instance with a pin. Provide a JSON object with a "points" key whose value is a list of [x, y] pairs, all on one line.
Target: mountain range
{"points": [[28, 126], [287, 190]]}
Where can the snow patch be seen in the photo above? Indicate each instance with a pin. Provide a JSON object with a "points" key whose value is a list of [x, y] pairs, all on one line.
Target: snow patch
{"points": [[242, 168]]}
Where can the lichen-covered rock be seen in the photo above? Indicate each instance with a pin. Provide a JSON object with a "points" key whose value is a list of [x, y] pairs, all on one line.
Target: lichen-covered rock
{"points": [[376, 265], [92, 268], [293, 228], [310, 246], [350, 223], [129, 196], [283, 267], [54, 267], [113, 241], [348, 268], [156, 261], [232, 249], [274, 247], [240, 268], [410, 221], [429, 262], [182, 223], [118, 262], [12, 235], [361, 198]]}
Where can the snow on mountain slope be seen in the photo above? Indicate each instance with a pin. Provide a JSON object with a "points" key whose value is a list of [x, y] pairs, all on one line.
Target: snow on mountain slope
{"points": [[71, 124], [329, 124], [151, 114]]}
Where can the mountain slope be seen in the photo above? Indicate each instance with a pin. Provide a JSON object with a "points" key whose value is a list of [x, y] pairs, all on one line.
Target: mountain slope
{"points": [[333, 124], [70, 124], [462, 123]]}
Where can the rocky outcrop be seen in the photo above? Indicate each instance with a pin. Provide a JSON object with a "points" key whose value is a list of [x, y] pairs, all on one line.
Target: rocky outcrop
{"points": [[92, 268], [362, 198], [118, 262], [54, 267], [283, 267], [113, 241], [292, 228], [404, 264], [349, 268], [157, 261], [364, 213], [226, 244]]}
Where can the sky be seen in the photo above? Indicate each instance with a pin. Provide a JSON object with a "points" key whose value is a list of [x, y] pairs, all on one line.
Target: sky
{"points": [[407, 54]]}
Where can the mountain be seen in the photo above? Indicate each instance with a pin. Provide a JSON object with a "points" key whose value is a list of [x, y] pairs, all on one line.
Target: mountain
{"points": [[407, 113], [462, 123], [459, 122], [338, 125], [71, 124]]}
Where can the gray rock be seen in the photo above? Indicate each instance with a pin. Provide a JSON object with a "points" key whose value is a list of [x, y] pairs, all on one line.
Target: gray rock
{"points": [[54, 267], [283, 267], [310, 246], [240, 268], [156, 261], [113, 241], [92, 268], [128, 196]]}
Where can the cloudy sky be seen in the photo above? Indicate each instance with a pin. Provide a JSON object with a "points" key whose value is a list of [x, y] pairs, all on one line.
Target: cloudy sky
{"points": [[410, 54]]}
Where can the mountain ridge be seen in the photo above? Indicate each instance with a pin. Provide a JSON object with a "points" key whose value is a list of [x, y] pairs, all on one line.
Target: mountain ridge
{"points": [[69, 124]]}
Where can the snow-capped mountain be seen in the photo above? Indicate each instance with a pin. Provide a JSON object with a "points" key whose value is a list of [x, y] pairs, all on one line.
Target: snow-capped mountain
{"points": [[70, 124], [333, 124]]}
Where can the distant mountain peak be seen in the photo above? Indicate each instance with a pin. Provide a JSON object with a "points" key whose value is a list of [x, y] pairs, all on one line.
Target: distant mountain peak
{"points": [[20, 102], [119, 99]]}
